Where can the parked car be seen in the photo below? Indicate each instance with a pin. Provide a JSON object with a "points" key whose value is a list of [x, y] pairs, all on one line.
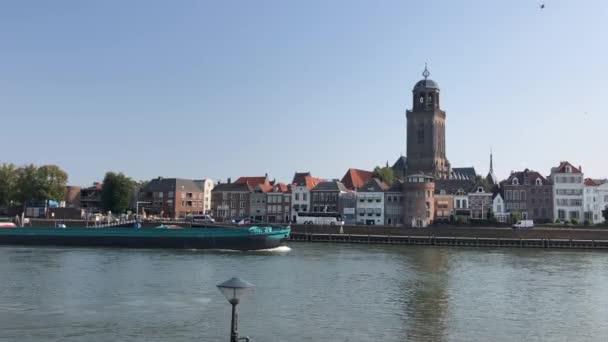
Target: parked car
{"points": [[524, 224], [202, 218]]}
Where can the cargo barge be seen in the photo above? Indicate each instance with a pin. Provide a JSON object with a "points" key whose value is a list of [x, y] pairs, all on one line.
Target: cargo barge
{"points": [[210, 237]]}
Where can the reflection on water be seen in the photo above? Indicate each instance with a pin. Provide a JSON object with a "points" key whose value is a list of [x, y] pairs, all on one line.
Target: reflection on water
{"points": [[307, 292]]}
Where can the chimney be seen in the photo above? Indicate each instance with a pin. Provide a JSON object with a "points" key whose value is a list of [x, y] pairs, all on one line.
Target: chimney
{"points": [[580, 168], [229, 180]]}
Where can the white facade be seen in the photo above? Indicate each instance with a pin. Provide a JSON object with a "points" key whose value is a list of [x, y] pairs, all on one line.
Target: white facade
{"points": [[602, 196], [207, 186], [499, 209], [596, 200], [300, 199], [370, 208], [568, 193], [461, 200]]}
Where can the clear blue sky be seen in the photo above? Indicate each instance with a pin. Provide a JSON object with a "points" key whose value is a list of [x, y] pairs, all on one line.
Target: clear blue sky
{"points": [[229, 88]]}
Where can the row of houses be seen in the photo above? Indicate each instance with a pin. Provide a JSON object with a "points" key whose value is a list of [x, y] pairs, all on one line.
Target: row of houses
{"points": [[359, 198], [418, 199]]}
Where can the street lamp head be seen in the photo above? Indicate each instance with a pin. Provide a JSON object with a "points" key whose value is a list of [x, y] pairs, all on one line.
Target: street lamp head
{"points": [[234, 289]]}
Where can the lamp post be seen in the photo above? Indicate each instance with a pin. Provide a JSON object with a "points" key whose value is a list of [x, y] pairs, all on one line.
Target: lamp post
{"points": [[234, 289]]}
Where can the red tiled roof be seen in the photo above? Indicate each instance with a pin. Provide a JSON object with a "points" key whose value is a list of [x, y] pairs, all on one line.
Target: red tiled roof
{"points": [[355, 178], [252, 180], [590, 182], [265, 187], [281, 187], [311, 182], [562, 167]]}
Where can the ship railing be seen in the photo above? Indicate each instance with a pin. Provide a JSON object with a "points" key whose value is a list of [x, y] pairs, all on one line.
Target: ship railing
{"points": [[114, 224]]}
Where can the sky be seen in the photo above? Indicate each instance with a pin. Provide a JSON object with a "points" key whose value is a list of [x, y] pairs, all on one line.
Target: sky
{"points": [[221, 89]]}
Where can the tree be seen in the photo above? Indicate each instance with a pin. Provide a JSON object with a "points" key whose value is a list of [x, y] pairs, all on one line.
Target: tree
{"points": [[515, 216], [605, 214], [53, 180], [42, 183], [8, 184], [384, 174], [117, 192]]}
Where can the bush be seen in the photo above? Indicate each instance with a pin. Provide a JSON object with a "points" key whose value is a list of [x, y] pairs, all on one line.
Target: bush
{"points": [[574, 221], [586, 223], [558, 221]]}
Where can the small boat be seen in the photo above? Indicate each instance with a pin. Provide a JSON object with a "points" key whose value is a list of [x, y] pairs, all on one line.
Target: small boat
{"points": [[212, 237]]}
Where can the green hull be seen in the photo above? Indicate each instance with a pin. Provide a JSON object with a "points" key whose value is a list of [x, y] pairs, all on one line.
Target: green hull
{"points": [[250, 238]]}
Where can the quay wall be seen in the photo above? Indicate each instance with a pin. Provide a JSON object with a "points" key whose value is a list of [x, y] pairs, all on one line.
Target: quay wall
{"points": [[464, 232]]}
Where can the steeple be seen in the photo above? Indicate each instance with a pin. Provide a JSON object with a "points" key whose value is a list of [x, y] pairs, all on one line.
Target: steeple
{"points": [[491, 166], [491, 178]]}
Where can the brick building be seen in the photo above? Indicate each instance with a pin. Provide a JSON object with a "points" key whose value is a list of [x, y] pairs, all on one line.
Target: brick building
{"points": [[172, 197], [419, 206], [326, 195], [529, 195]]}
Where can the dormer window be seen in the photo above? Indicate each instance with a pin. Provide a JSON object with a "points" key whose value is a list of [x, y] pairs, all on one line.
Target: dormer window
{"points": [[460, 192], [568, 169], [479, 189], [442, 192], [539, 182], [515, 181]]}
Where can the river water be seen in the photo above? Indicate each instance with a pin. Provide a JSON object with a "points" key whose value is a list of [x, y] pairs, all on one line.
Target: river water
{"points": [[308, 292]]}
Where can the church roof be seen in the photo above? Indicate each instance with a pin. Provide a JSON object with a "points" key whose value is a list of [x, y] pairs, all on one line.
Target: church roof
{"points": [[491, 178], [426, 84], [463, 173], [400, 164]]}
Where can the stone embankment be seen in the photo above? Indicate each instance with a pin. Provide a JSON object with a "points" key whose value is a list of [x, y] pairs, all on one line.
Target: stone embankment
{"points": [[545, 237]]}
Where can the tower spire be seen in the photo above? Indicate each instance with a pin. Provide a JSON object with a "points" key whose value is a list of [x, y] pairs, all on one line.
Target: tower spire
{"points": [[426, 73], [491, 161]]}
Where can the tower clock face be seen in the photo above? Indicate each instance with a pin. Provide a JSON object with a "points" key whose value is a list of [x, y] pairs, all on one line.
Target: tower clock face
{"points": [[422, 100]]}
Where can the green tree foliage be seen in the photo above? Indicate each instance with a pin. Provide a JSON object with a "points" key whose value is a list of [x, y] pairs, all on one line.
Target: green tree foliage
{"points": [[605, 214], [42, 183], [384, 174], [8, 183], [53, 180], [117, 192], [515, 216]]}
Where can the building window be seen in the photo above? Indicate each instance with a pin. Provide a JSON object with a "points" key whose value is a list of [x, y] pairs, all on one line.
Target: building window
{"points": [[515, 181], [297, 196], [420, 134], [539, 182], [304, 196]]}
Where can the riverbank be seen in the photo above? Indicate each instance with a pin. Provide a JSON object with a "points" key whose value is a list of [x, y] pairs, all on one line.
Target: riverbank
{"points": [[566, 233], [545, 237]]}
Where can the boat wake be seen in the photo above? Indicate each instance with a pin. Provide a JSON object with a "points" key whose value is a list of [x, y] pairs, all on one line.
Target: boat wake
{"points": [[280, 249], [275, 250]]}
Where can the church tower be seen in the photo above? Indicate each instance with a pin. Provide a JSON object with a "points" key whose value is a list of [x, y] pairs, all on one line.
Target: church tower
{"points": [[426, 131]]}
